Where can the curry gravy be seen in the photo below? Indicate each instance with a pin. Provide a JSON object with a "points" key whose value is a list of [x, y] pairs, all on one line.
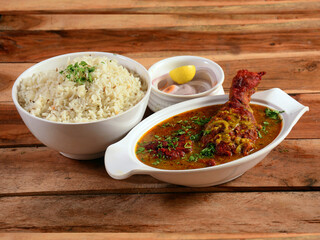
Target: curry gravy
{"points": [[184, 130]]}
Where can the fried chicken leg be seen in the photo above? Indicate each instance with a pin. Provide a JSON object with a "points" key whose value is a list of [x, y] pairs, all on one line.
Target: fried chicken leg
{"points": [[234, 130]]}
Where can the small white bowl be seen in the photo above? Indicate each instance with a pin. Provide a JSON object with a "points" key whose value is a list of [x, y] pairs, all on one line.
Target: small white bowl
{"points": [[121, 161], [83, 140], [159, 99]]}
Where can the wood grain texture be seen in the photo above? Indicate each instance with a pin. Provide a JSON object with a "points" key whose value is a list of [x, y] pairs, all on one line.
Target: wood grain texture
{"points": [[18, 46], [154, 7], [42, 191], [294, 73], [32, 171], [159, 236], [47, 22], [13, 132], [270, 212]]}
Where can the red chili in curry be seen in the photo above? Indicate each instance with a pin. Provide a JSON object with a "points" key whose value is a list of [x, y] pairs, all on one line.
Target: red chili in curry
{"points": [[175, 143]]}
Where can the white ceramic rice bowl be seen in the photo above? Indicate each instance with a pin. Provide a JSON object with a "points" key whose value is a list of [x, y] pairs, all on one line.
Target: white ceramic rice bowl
{"points": [[121, 161], [83, 140]]}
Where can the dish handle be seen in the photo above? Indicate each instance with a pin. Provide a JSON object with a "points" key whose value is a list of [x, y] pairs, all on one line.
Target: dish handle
{"points": [[293, 109], [283, 100], [118, 162]]}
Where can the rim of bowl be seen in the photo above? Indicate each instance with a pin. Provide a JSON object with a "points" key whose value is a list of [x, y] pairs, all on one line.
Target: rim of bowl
{"points": [[14, 91], [192, 95]]}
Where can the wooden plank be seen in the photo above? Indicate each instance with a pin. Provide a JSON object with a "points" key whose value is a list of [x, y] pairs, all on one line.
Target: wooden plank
{"points": [[42, 191], [8, 74], [293, 165], [143, 21], [13, 132], [20, 44], [200, 7], [296, 73], [309, 122], [274, 27], [17, 134], [271, 212], [159, 236]]}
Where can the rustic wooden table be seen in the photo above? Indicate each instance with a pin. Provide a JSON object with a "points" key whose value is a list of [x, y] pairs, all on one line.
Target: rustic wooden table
{"points": [[43, 193]]}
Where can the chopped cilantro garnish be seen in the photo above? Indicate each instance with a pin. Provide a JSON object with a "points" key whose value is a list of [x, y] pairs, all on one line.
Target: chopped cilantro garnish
{"points": [[201, 121], [195, 137], [157, 137], [79, 72], [206, 132], [264, 129], [157, 162], [273, 114], [193, 158], [180, 132], [208, 151], [167, 125], [140, 150]]}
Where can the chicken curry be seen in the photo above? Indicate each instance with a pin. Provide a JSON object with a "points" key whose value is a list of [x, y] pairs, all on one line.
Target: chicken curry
{"points": [[212, 135], [176, 142]]}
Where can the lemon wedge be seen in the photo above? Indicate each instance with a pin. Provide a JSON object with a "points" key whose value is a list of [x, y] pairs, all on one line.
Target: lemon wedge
{"points": [[183, 74]]}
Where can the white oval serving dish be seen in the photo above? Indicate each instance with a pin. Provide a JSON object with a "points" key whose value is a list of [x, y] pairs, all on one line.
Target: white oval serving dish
{"points": [[121, 161]]}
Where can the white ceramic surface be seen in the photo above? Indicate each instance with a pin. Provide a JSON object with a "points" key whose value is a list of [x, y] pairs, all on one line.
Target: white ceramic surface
{"points": [[121, 161], [159, 100], [83, 140]]}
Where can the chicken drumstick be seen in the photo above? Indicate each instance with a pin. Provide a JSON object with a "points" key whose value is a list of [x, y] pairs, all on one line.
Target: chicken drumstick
{"points": [[234, 130]]}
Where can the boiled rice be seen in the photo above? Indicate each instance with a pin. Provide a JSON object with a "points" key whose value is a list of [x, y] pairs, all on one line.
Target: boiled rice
{"points": [[50, 95]]}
